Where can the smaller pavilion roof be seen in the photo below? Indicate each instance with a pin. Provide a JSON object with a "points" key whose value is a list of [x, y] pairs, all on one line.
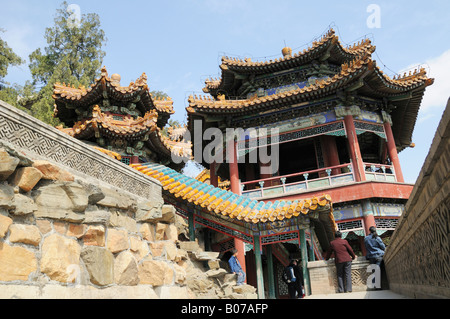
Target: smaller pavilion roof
{"points": [[217, 201], [128, 127], [68, 98]]}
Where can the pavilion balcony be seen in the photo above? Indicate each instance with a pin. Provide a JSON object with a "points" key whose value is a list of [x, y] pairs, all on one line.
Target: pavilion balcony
{"points": [[379, 172], [315, 179]]}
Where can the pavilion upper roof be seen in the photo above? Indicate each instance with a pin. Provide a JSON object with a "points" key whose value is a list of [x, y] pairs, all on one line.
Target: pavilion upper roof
{"points": [[361, 75], [361, 66], [327, 48], [68, 98]]}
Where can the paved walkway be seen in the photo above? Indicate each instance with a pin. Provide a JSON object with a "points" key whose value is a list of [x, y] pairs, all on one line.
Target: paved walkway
{"points": [[378, 294]]}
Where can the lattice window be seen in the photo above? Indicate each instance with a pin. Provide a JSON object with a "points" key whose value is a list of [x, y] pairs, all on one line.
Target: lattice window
{"points": [[226, 245], [350, 225], [279, 238], [314, 131], [282, 287], [126, 160], [369, 127], [386, 223], [362, 127]]}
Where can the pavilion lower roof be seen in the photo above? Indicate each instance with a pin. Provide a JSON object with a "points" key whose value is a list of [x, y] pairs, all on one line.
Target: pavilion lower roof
{"points": [[233, 207], [126, 128]]}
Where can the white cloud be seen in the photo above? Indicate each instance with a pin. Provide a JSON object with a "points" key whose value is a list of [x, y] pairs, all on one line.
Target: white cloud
{"points": [[436, 95]]}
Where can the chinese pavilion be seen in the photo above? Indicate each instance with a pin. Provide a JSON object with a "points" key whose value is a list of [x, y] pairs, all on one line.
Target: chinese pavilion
{"points": [[128, 123], [340, 123], [124, 122]]}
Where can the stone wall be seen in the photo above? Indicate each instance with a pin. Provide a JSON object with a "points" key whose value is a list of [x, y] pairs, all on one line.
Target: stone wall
{"points": [[418, 257], [75, 223], [62, 236], [324, 280], [42, 141]]}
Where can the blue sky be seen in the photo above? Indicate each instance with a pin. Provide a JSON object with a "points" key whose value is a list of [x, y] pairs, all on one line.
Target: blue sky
{"points": [[179, 43]]}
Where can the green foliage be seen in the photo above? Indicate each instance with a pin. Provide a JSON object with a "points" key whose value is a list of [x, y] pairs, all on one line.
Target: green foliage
{"points": [[73, 55], [158, 94], [22, 97], [7, 58]]}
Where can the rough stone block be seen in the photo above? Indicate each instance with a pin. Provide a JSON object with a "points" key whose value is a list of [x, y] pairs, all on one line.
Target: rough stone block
{"points": [[26, 178], [17, 263], [115, 199], [117, 240], [23, 205], [59, 256], [52, 172], [6, 197], [27, 234], [189, 246], [139, 248], [99, 262], [5, 222], [61, 201], [8, 164], [148, 232], [76, 230], [94, 236], [148, 211], [155, 273], [126, 269], [172, 292], [119, 220]]}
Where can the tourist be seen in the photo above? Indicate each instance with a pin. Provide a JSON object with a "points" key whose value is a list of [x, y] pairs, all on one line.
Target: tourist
{"points": [[343, 256], [293, 278], [236, 268], [374, 246], [298, 272]]}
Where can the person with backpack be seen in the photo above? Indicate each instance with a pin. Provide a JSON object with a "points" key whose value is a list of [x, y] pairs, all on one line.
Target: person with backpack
{"points": [[293, 278]]}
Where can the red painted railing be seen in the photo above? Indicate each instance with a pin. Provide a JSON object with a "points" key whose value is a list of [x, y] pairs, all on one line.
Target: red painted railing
{"points": [[327, 176], [323, 177], [380, 172]]}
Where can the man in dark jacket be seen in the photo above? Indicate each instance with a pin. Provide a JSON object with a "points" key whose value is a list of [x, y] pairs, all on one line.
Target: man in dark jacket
{"points": [[343, 256]]}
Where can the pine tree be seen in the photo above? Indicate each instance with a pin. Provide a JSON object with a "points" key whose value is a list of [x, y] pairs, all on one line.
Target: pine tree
{"points": [[73, 55], [7, 58]]}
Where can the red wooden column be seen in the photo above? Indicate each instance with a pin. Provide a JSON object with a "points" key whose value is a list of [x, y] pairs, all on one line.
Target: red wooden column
{"points": [[368, 217], [236, 188], [392, 151], [134, 160], [233, 166], [355, 152], [330, 151], [213, 179]]}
